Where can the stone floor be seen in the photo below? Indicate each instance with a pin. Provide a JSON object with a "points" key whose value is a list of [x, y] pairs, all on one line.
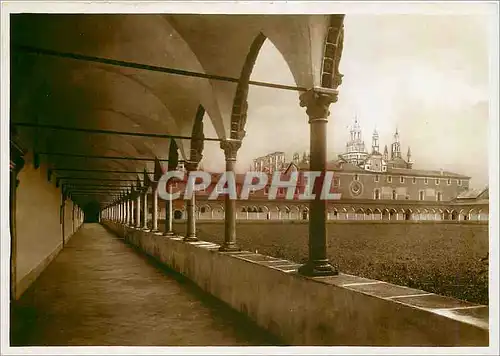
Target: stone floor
{"points": [[101, 292]]}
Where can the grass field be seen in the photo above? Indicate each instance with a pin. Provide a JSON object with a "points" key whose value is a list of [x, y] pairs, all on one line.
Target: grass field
{"points": [[440, 258]]}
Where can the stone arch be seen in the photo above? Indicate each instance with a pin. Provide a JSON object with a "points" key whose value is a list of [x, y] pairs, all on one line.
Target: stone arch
{"points": [[217, 211], [407, 214], [369, 214], [393, 214], [360, 214], [344, 214], [471, 214], [205, 212], [294, 212], [462, 215], [333, 213], [454, 215], [264, 212], [284, 212], [240, 104], [252, 212], [377, 214], [274, 212], [330, 77], [304, 214], [242, 213]]}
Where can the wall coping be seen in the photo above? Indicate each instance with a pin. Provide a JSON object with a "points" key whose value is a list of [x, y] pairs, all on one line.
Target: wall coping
{"points": [[475, 315]]}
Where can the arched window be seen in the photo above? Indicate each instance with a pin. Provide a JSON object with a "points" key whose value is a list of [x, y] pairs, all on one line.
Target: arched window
{"points": [[394, 195], [203, 209], [243, 210]]}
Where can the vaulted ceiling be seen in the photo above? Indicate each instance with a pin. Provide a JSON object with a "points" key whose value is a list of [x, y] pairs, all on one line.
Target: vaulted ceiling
{"points": [[51, 89]]}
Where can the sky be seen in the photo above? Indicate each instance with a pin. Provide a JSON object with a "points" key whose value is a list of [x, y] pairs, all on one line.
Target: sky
{"points": [[427, 75]]}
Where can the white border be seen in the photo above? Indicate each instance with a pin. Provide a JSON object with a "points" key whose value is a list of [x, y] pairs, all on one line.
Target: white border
{"points": [[254, 7]]}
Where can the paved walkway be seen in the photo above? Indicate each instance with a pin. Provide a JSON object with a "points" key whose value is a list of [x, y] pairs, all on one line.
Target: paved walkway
{"points": [[100, 291]]}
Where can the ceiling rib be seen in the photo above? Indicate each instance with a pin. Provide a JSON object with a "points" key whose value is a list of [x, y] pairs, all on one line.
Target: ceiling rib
{"points": [[174, 71], [107, 132], [75, 155]]}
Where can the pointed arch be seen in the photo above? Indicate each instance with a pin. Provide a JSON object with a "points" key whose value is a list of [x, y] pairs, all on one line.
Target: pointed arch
{"points": [[240, 104]]}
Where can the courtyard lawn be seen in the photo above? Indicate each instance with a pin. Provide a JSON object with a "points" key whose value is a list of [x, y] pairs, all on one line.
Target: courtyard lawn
{"points": [[443, 258]]}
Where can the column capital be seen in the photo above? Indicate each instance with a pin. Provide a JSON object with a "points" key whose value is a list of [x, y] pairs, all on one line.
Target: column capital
{"points": [[191, 165], [16, 157], [230, 147], [317, 101]]}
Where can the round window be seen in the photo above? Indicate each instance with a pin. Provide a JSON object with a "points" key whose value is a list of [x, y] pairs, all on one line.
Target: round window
{"points": [[356, 188]]}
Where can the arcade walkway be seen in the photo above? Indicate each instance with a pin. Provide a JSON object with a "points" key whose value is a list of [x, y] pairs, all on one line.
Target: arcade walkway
{"points": [[99, 291]]}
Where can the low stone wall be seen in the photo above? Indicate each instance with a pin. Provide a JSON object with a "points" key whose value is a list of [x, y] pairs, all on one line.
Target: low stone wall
{"points": [[341, 310]]}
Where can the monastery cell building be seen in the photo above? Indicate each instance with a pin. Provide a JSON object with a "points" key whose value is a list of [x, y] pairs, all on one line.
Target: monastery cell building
{"points": [[372, 175]]}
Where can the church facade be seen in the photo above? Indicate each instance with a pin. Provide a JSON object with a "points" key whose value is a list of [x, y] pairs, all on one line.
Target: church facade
{"points": [[360, 174]]}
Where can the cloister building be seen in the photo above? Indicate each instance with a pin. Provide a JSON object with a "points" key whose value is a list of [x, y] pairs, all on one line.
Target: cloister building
{"points": [[103, 105]]}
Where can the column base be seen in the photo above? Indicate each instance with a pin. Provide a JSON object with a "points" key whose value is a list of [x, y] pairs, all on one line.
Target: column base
{"points": [[169, 233], [318, 268], [190, 239], [229, 247]]}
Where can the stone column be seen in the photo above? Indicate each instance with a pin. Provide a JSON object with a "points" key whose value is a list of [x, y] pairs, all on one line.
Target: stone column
{"points": [[16, 164], [145, 208], [155, 207], [190, 208], [125, 211], [317, 102], [230, 147], [138, 211], [131, 209], [169, 215], [128, 211]]}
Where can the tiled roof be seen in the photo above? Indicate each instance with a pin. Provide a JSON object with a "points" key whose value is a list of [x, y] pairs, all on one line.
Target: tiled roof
{"points": [[469, 194], [425, 173], [341, 165], [474, 194]]}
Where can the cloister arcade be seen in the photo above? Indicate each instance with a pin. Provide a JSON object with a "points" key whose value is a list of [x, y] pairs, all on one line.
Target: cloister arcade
{"points": [[99, 102], [208, 212]]}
